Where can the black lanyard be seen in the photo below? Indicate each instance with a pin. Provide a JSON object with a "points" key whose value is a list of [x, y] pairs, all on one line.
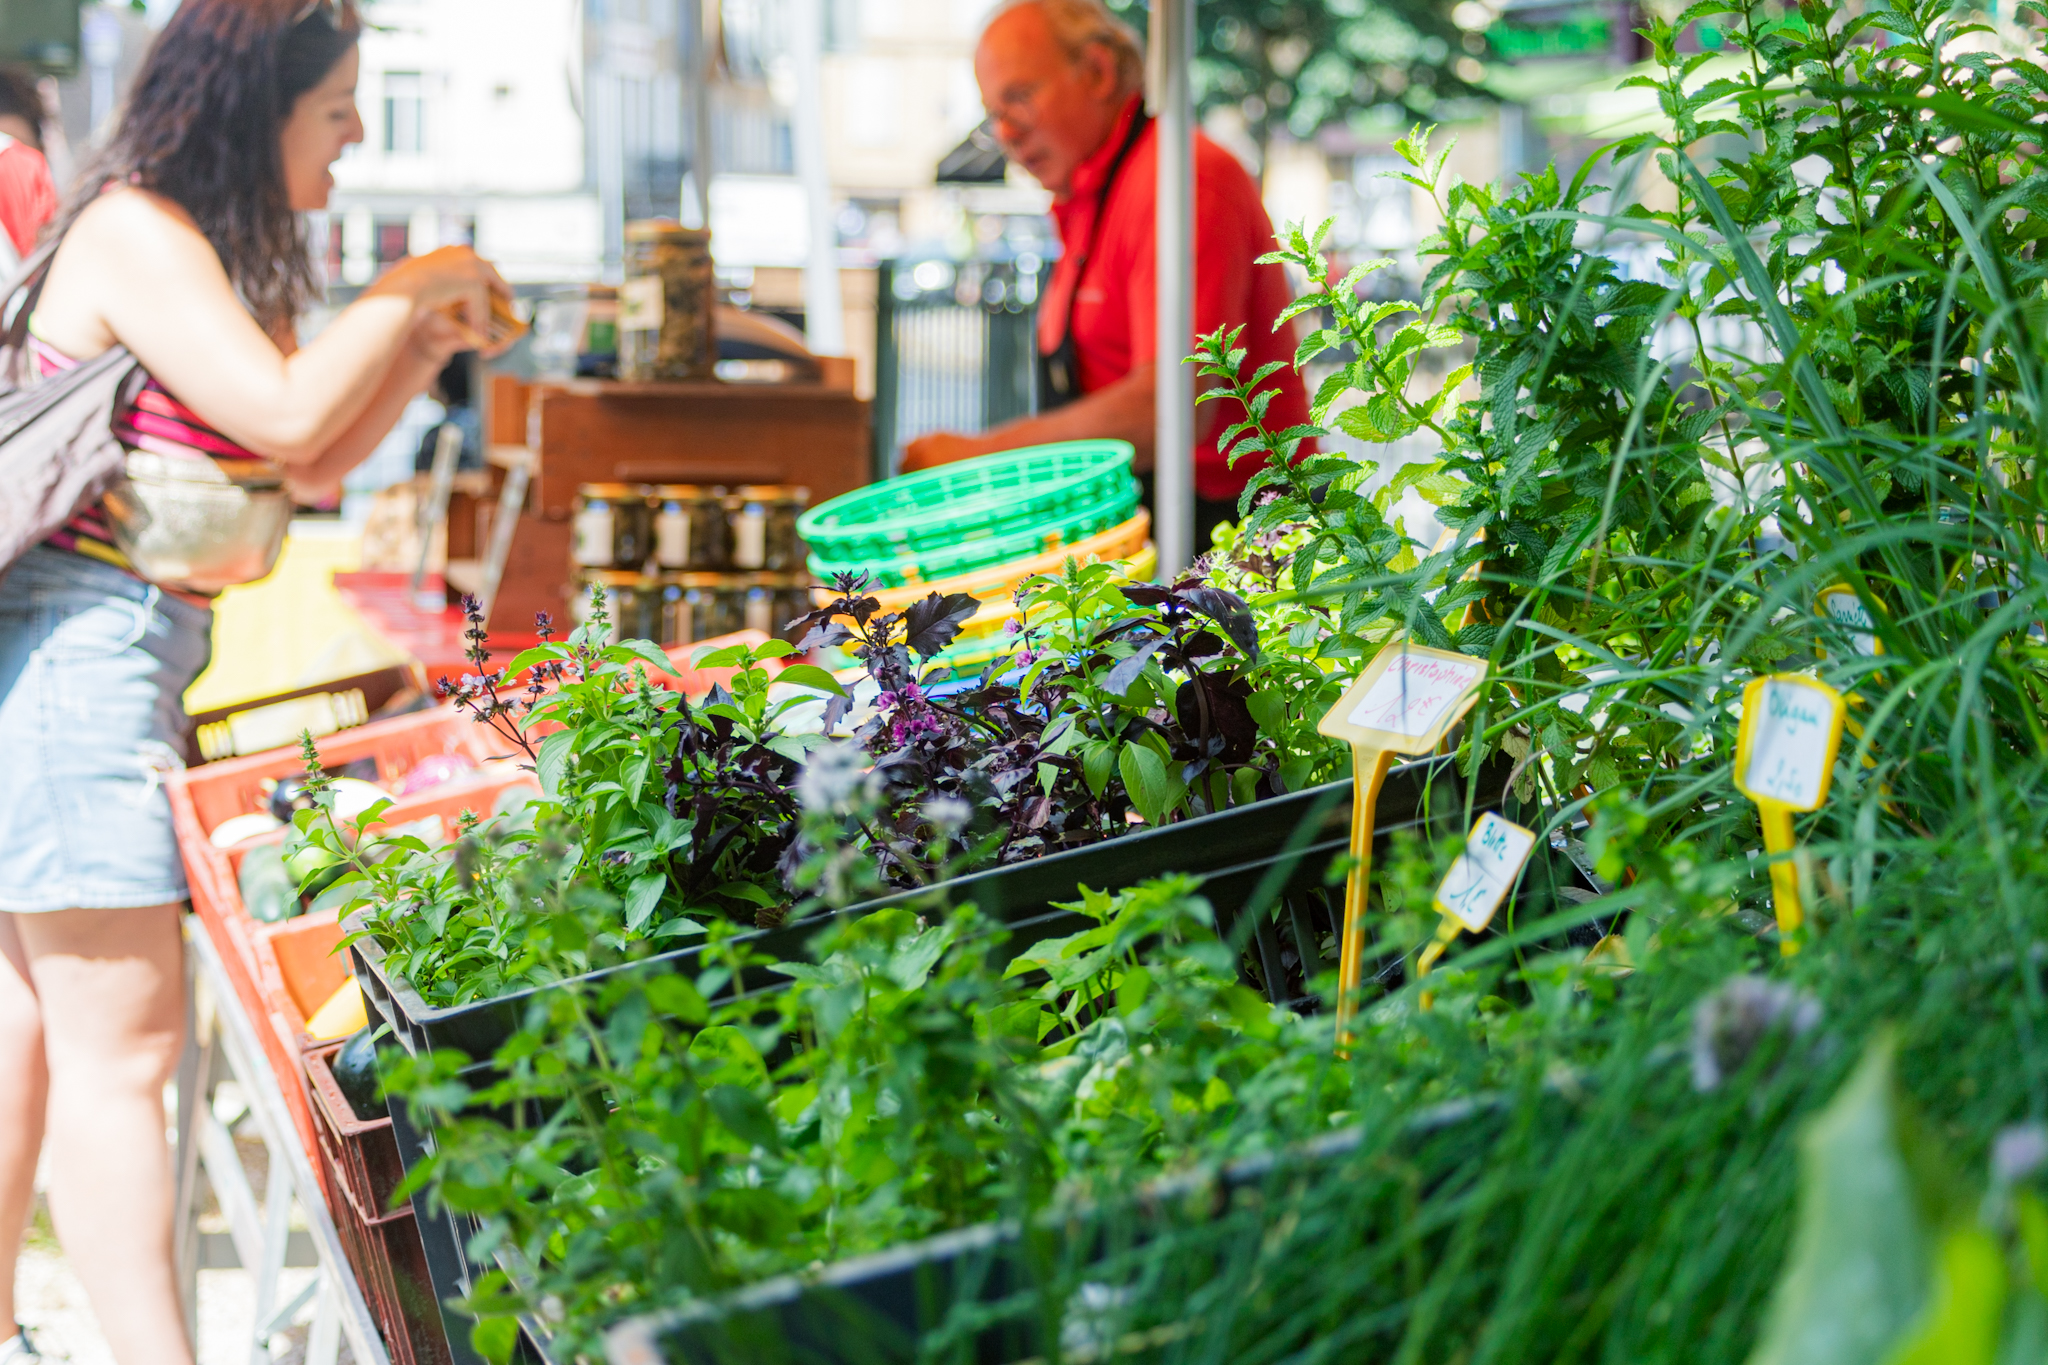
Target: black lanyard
{"points": [[1059, 374]]}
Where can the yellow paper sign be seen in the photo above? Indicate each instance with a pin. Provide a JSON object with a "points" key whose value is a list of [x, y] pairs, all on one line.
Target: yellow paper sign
{"points": [[1406, 699], [1785, 762], [1785, 752], [1405, 702]]}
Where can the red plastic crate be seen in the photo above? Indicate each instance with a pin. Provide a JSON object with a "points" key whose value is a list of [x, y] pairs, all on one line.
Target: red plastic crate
{"points": [[695, 682], [281, 1023], [278, 1001], [391, 1266], [298, 962], [362, 1153], [297, 968], [202, 798]]}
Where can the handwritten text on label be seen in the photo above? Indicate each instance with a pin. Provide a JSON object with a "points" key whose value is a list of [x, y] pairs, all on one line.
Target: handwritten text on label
{"points": [[1789, 752], [1410, 698], [1481, 877], [1844, 608]]}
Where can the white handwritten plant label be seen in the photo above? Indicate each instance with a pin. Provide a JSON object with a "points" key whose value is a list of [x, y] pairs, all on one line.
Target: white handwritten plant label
{"points": [[1485, 872], [1791, 728], [1841, 605], [1406, 698]]}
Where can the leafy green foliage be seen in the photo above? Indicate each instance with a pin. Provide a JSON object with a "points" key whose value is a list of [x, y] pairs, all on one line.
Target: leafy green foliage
{"points": [[665, 1141], [1299, 66], [657, 818], [1806, 365], [1809, 357]]}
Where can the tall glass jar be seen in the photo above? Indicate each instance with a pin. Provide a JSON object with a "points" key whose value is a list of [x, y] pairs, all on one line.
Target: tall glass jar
{"points": [[665, 305], [774, 600]]}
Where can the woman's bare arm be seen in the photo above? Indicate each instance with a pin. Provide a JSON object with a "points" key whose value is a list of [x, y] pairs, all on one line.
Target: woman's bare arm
{"points": [[134, 270], [318, 479]]}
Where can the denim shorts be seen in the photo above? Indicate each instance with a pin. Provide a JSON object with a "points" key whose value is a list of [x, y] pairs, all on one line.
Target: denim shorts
{"points": [[94, 664]]}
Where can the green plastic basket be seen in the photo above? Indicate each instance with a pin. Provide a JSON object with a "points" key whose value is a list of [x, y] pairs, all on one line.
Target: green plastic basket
{"points": [[967, 556], [996, 495], [972, 660]]}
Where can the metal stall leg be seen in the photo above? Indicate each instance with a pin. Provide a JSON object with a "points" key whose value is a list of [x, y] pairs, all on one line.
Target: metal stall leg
{"points": [[223, 1046]]}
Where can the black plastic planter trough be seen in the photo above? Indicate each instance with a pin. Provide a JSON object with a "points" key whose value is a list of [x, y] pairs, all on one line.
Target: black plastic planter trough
{"points": [[1290, 839], [1274, 853], [990, 1295]]}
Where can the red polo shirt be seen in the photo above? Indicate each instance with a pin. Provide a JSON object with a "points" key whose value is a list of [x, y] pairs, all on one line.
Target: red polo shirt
{"points": [[1115, 311], [28, 199]]}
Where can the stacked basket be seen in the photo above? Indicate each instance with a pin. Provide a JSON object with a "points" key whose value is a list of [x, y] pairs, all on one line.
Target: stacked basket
{"points": [[983, 527]]}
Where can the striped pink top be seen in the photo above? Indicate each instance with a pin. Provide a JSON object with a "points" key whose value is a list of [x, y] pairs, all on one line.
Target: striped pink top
{"points": [[156, 423]]}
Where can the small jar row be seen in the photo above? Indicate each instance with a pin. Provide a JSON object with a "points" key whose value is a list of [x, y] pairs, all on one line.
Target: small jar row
{"points": [[695, 527], [681, 609]]}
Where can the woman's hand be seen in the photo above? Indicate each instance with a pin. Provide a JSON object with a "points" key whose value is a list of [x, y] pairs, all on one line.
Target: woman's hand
{"points": [[454, 281], [438, 338]]}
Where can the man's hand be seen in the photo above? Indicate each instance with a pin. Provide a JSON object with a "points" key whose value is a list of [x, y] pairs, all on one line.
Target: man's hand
{"points": [[944, 447]]}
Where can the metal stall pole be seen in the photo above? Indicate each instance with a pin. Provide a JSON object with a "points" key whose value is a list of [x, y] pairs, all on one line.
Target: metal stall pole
{"points": [[824, 310], [888, 370], [698, 17], [1173, 29]]}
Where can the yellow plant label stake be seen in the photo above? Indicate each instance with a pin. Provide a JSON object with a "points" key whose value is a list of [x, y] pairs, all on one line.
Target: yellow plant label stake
{"points": [[1477, 883], [1785, 762], [1404, 702]]}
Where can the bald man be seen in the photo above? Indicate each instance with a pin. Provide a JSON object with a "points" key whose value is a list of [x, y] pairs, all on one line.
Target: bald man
{"points": [[1063, 84]]}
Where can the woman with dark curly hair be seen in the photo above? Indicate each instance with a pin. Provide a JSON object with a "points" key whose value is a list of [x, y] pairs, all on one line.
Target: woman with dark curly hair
{"points": [[184, 244]]}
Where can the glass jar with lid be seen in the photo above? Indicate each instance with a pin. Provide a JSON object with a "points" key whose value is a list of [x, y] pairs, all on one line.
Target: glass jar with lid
{"points": [[776, 600], [762, 518], [701, 606], [612, 527], [630, 600], [689, 527]]}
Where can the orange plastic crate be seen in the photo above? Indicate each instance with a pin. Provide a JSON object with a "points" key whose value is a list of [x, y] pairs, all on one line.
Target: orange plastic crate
{"points": [[298, 965], [255, 954]]}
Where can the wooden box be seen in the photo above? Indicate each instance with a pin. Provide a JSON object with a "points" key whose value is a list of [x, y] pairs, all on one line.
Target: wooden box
{"points": [[592, 431]]}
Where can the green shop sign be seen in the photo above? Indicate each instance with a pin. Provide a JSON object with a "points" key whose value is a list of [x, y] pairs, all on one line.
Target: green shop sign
{"points": [[41, 33], [1567, 33]]}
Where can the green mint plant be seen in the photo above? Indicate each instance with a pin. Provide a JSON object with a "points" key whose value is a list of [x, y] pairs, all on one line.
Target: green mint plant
{"points": [[649, 1140]]}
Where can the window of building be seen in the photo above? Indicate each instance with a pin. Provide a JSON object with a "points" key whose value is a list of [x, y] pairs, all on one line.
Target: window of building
{"points": [[405, 113], [393, 240]]}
